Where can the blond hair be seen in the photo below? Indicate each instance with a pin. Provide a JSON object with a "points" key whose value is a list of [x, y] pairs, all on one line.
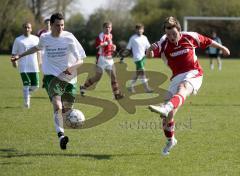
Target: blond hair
{"points": [[171, 22]]}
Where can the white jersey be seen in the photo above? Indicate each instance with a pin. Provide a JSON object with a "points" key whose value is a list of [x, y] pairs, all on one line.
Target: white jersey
{"points": [[27, 63], [60, 53], [138, 44]]}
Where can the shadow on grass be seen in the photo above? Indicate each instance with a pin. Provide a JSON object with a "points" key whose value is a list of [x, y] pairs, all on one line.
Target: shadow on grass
{"points": [[9, 153], [208, 104], [39, 98], [11, 107], [15, 163]]}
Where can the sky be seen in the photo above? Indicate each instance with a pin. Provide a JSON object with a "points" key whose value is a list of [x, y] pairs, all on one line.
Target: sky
{"points": [[87, 7]]}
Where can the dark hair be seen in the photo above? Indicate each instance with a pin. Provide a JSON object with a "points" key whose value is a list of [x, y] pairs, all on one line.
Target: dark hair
{"points": [[171, 22], [107, 23], [25, 24], [56, 16], [46, 20], [139, 26]]}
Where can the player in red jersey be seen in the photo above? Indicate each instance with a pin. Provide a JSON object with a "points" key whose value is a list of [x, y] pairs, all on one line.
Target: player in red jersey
{"points": [[105, 61], [47, 27], [177, 49]]}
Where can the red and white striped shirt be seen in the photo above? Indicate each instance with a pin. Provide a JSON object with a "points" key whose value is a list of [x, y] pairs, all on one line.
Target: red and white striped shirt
{"points": [[106, 50], [182, 58]]}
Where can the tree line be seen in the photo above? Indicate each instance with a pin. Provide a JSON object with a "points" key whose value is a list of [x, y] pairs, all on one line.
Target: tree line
{"points": [[124, 14]]}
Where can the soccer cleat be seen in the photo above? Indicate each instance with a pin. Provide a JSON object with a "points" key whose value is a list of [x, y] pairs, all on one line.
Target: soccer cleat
{"points": [[163, 109], [149, 90], [131, 89], [118, 96], [82, 90], [63, 142], [27, 105], [169, 145]]}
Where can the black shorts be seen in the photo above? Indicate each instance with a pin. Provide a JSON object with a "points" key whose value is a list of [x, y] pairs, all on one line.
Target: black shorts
{"points": [[214, 55]]}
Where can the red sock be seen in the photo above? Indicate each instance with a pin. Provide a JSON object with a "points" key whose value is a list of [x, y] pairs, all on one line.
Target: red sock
{"points": [[168, 128], [115, 87], [177, 100]]}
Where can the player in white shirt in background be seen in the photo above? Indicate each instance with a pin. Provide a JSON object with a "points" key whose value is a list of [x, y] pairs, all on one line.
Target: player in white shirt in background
{"points": [[139, 43], [63, 54], [177, 49], [29, 65]]}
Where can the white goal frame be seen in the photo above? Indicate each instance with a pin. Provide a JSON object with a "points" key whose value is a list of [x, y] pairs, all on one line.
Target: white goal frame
{"points": [[206, 18]]}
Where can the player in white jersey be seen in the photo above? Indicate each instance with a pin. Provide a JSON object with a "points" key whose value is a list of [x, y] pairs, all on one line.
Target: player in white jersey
{"points": [[178, 50], [139, 43], [63, 54], [28, 65]]}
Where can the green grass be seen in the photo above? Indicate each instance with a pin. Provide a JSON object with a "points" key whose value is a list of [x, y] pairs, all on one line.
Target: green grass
{"points": [[128, 144]]}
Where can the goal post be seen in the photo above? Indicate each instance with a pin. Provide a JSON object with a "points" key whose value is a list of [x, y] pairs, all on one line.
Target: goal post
{"points": [[206, 18]]}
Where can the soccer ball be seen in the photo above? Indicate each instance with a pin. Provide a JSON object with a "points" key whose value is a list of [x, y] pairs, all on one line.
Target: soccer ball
{"points": [[75, 119]]}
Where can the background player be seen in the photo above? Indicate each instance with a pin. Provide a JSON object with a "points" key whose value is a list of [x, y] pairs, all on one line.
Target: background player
{"points": [[139, 43], [214, 53], [105, 47], [178, 51], [47, 27], [28, 65], [63, 54]]}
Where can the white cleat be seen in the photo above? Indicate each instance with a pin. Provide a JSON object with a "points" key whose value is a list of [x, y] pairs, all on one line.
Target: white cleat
{"points": [[169, 145], [131, 89], [163, 110]]}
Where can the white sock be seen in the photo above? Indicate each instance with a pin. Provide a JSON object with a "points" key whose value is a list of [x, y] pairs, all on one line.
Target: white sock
{"points": [[169, 106], [58, 121], [61, 138], [144, 81], [132, 84], [220, 66], [26, 95], [212, 66]]}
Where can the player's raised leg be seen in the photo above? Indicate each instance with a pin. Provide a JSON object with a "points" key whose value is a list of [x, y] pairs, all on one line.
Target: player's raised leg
{"points": [[91, 81]]}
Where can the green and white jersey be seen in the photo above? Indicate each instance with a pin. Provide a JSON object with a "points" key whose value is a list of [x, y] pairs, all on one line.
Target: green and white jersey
{"points": [[59, 54], [138, 44], [27, 63]]}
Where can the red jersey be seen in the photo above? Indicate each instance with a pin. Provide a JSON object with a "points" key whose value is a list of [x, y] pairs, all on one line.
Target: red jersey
{"points": [[40, 32], [182, 58], [106, 50]]}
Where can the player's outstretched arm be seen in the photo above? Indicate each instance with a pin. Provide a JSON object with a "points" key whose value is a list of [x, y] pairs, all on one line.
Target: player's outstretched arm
{"points": [[224, 49], [29, 51], [150, 50]]}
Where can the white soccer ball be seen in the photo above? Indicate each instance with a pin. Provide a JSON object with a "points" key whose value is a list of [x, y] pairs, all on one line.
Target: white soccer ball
{"points": [[75, 119]]}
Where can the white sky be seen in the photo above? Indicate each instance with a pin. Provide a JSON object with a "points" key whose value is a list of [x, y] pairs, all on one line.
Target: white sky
{"points": [[87, 7]]}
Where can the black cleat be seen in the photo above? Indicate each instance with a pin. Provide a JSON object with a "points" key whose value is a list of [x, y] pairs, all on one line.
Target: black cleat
{"points": [[82, 91], [63, 142]]}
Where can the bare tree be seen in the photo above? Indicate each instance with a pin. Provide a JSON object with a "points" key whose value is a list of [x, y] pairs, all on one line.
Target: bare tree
{"points": [[41, 8]]}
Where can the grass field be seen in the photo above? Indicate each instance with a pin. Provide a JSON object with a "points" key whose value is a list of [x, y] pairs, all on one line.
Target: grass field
{"points": [[128, 144]]}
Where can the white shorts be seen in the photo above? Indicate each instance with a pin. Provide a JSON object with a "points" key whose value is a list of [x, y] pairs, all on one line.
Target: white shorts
{"points": [[192, 77], [105, 63]]}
